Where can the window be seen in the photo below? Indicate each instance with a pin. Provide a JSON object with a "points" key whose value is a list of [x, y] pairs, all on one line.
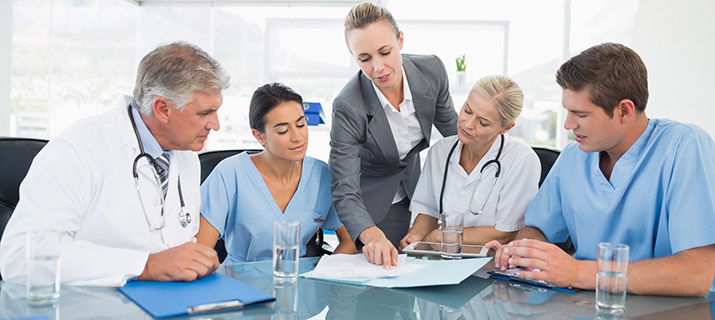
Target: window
{"points": [[72, 58]]}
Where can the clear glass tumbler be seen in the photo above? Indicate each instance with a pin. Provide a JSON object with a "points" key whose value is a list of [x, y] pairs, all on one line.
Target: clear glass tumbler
{"points": [[286, 249], [43, 266], [611, 278], [452, 234]]}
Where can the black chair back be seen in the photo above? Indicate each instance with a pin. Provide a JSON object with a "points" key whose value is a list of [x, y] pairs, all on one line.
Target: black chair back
{"points": [[547, 157], [16, 155]]}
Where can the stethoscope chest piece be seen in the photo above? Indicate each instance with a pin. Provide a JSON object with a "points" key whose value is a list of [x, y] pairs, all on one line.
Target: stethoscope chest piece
{"points": [[184, 218]]}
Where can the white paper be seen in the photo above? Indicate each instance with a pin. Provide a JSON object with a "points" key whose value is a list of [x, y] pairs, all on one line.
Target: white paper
{"points": [[356, 266], [432, 273]]}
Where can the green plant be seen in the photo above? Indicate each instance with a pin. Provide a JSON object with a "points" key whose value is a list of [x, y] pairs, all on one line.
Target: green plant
{"points": [[461, 63]]}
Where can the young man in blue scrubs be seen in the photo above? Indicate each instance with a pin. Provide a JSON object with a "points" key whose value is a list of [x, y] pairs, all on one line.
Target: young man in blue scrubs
{"points": [[647, 183]]}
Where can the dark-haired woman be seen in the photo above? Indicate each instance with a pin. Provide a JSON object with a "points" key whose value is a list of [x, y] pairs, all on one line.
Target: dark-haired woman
{"points": [[245, 193]]}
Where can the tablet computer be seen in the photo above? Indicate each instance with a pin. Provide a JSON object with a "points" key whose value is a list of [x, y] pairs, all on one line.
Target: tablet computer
{"points": [[433, 248]]}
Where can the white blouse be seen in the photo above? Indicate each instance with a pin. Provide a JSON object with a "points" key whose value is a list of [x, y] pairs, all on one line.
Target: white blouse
{"points": [[511, 195], [405, 126]]}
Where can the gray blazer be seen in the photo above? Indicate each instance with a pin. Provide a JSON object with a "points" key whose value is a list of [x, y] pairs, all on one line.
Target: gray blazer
{"points": [[366, 166]]}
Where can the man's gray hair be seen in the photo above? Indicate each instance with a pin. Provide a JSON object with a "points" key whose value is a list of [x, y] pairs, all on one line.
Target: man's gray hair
{"points": [[176, 71]]}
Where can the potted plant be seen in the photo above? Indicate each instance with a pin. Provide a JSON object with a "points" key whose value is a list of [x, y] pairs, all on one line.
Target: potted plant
{"points": [[461, 71]]}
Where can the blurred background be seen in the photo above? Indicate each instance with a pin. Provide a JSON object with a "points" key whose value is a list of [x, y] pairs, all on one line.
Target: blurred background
{"points": [[63, 60]]}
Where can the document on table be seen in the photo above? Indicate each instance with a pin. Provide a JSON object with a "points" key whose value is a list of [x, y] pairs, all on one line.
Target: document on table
{"points": [[357, 266], [421, 272]]}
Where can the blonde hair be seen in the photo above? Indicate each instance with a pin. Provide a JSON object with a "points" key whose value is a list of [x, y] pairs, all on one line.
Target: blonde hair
{"points": [[363, 14], [504, 93]]}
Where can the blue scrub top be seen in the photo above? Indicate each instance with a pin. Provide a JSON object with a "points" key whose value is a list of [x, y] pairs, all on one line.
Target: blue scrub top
{"points": [[236, 201], [659, 201]]}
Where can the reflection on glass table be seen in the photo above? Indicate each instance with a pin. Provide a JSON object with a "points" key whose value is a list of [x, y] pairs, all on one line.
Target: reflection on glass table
{"points": [[474, 298]]}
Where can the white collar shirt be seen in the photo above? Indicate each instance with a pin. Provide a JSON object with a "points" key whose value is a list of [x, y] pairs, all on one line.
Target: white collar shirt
{"points": [[504, 208], [404, 125], [151, 146]]}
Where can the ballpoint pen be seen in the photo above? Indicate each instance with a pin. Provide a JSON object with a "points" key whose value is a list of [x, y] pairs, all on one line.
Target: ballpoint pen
{"points": [[232, 304]]}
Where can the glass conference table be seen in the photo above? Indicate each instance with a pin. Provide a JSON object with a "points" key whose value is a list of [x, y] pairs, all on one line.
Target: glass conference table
{"points": [[474, 298]]}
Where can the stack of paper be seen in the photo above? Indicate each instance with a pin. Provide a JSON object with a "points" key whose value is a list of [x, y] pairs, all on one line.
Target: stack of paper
{"points": [[410, 272]]}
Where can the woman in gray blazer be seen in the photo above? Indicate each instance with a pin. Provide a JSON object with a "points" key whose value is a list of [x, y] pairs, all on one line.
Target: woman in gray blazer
{"points": [[382, 119]]}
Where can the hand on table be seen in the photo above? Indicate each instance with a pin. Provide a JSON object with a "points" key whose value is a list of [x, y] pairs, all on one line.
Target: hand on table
{"points": [[187, 262], [501, 260], [555, 266]]}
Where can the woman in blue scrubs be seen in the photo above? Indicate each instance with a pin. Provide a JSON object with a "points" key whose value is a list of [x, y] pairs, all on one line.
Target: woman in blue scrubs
{"points": [[245, 193]]}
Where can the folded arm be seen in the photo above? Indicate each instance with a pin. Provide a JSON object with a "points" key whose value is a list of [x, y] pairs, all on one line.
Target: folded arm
{"points": [[482, 235], [686, 273]]}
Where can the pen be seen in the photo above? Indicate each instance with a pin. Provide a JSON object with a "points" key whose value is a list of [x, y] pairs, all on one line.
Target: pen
{"points": [[530, 282], [215, 306]]}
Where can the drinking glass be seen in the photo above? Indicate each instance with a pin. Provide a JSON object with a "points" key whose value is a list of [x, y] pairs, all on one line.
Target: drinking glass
{"points": [[286, 248], [452, 235], [43, 266], [611, 278]]}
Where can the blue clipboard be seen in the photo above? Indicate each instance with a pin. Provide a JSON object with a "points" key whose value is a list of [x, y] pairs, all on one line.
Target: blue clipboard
{"points": [[208, 294], [506, 277]]}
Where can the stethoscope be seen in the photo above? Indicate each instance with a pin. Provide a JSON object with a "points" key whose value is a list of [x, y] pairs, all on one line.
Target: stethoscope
{"points": [[488, 163], [184, 217]]}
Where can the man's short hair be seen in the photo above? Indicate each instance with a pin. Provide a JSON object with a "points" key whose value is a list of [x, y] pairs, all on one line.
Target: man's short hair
{"points": [[611, 72], [176, 72]]}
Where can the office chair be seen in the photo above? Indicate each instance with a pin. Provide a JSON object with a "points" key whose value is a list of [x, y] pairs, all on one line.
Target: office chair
{"points": [[16, 155], [547, 157], [209, 160]]}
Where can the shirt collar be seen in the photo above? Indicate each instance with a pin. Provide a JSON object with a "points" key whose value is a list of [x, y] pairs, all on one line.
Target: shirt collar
{"points": [[490, 155], [151, 146], [407, 94]]}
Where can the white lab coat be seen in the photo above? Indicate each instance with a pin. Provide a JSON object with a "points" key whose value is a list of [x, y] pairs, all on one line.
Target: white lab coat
{"points": [[504, 209], [81, 183]]}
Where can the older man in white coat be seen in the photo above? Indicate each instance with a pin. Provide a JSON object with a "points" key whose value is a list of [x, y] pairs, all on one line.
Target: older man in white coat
{"points": [[123, 187]]}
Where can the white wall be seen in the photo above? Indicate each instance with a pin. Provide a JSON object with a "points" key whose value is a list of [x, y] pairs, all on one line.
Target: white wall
{"points": [[5, 65], [676, 39]]}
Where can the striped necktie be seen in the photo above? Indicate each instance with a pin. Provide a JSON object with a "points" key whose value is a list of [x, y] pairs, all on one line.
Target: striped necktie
{"points": [[162, 166]]}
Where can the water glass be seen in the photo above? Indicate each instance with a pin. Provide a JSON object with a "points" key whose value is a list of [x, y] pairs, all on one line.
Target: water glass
{"points": [[611, 278], [452, 235], [286, 305], [43, 266], [286, 248]]}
